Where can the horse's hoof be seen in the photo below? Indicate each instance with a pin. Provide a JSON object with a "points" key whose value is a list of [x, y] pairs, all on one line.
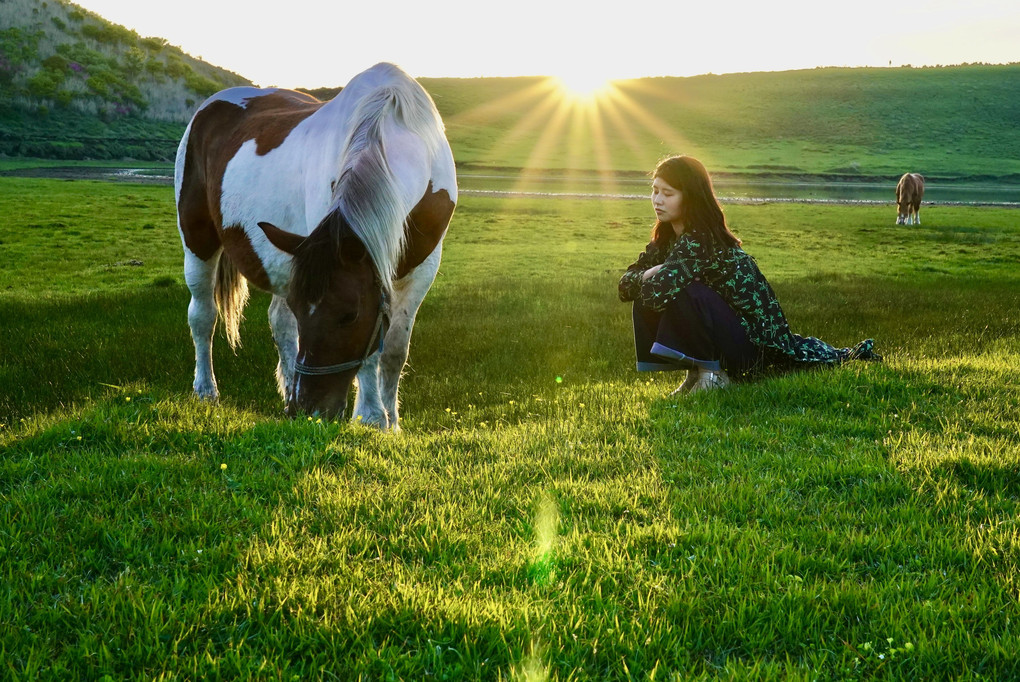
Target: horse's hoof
{"points": [[207, 396], [377, 421]]}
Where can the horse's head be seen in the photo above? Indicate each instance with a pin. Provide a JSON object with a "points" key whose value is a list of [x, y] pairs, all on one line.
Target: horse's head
{"points": [[341, 311]]}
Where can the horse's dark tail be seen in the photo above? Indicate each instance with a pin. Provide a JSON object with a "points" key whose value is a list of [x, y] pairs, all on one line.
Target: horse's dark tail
{"points": [[231, 296]]}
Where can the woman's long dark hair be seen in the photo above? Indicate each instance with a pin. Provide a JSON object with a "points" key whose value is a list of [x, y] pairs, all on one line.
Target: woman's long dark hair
{"points": [[700, 212]]}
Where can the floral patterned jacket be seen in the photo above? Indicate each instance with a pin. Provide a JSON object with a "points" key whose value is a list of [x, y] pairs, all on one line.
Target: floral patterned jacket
{"points": [[734, 275]]}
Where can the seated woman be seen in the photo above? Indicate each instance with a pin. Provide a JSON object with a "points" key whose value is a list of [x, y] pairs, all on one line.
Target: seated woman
{"points": [[700, 301]]}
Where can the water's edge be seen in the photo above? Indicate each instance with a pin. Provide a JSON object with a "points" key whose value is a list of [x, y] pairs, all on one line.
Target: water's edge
{"points": [[747, 191]]}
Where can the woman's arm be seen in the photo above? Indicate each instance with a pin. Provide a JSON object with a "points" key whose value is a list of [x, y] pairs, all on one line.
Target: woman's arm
{"points": [[676, 272], [630, 283], [650, 272]]}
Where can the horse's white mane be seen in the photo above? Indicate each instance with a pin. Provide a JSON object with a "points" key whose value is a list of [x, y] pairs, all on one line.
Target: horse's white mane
{"points": [[365, 175]]}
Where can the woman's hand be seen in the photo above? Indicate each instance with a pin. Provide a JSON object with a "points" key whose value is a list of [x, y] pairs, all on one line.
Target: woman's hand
{"points": [[650, 272]]}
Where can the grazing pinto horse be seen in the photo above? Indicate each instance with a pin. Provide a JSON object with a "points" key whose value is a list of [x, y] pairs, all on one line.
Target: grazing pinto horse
{"points": [[338, 209], [909, 192]]}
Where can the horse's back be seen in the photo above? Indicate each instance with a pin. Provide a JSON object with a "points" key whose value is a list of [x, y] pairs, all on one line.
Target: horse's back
{"points": [[910, 187], [918, 186], [231, 117], [274, 155]]}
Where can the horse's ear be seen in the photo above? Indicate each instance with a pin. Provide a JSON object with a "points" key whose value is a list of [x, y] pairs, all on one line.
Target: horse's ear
{"points": [[288, 242]]}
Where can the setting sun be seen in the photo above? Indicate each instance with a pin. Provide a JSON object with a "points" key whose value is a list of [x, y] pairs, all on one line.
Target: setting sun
{"points": [[583, 86]]}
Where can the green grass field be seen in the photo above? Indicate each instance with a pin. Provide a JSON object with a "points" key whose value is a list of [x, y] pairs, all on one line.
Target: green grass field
{"points": [[547, 512]]}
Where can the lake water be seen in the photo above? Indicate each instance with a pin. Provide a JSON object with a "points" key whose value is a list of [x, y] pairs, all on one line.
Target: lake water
{"points": [[745, 190], [560, 186], [866, 192]]}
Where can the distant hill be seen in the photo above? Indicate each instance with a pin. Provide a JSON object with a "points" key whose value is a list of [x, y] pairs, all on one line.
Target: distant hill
{"points": [[73, 85], [953, 122]]}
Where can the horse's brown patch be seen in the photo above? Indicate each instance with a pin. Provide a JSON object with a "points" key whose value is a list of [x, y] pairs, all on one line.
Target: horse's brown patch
{"points": [[271, 118], [217, 133], [238, 248], [197, 227], [424, 227]]}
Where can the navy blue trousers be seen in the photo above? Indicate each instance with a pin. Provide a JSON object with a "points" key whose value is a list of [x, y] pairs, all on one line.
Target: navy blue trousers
{"points": [[700, 325]]}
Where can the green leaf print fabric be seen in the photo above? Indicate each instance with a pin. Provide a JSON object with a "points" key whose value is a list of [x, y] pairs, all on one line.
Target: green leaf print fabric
{"points": [[734, 275]]}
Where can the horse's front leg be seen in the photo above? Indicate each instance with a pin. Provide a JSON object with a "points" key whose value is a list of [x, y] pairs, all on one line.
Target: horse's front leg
{"points": [[200, 276], [408, 294], [285, 334], [368, 405]]}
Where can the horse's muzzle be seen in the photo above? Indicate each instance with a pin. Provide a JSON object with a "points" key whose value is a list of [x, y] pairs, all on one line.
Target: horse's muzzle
{"points": [[322, 397]]}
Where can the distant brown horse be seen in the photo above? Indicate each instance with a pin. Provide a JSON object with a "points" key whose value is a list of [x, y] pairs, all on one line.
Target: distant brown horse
{"points": [[909, 192]]}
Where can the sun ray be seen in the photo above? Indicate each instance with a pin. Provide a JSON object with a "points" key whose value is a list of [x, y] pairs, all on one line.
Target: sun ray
{"points": [[518, 99], [608, 175], [532, 122], [624, 130], [601, 149], [577, 144], [565, 142], [677, 102], [535, 100], [653, 87], [551, 136], [668, 136]]}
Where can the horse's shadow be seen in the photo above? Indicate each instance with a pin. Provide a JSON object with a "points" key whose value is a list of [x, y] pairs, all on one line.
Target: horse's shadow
{"points": [[65, 351]]}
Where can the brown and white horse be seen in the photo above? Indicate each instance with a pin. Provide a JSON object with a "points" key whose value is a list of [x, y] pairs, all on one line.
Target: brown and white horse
{"points": [[338, 209], [909, 192]]}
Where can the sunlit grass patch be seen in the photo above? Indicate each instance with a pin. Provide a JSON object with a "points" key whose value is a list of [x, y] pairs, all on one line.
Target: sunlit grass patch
{"points": [[547, 512]]}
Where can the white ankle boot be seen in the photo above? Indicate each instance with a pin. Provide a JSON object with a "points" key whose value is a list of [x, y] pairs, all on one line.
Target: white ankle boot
{"points": [[708, 381], [689, 383]]}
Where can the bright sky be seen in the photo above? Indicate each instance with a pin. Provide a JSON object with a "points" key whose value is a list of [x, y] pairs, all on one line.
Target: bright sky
{"points": [[318, 43]]}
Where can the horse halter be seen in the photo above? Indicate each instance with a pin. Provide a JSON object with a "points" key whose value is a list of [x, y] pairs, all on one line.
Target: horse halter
{"points": [[382, 323]]}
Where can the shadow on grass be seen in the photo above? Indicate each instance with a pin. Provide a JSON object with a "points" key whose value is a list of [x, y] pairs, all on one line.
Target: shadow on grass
{"points": [[506, 339], [62, 352], [138, 534], [205, 541], [992, 479], [860, 424]]}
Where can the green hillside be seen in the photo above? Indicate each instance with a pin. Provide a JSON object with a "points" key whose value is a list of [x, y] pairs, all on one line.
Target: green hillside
{"points": [[73, 85], [950, 121]]}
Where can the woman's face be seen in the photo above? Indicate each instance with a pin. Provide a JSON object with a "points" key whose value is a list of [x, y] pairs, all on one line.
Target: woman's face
{"points": [[666, 201]]}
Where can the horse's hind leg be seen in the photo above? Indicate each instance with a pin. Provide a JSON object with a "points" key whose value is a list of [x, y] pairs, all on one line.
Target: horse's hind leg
{"points": [[285, 333], [200, 276]]}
